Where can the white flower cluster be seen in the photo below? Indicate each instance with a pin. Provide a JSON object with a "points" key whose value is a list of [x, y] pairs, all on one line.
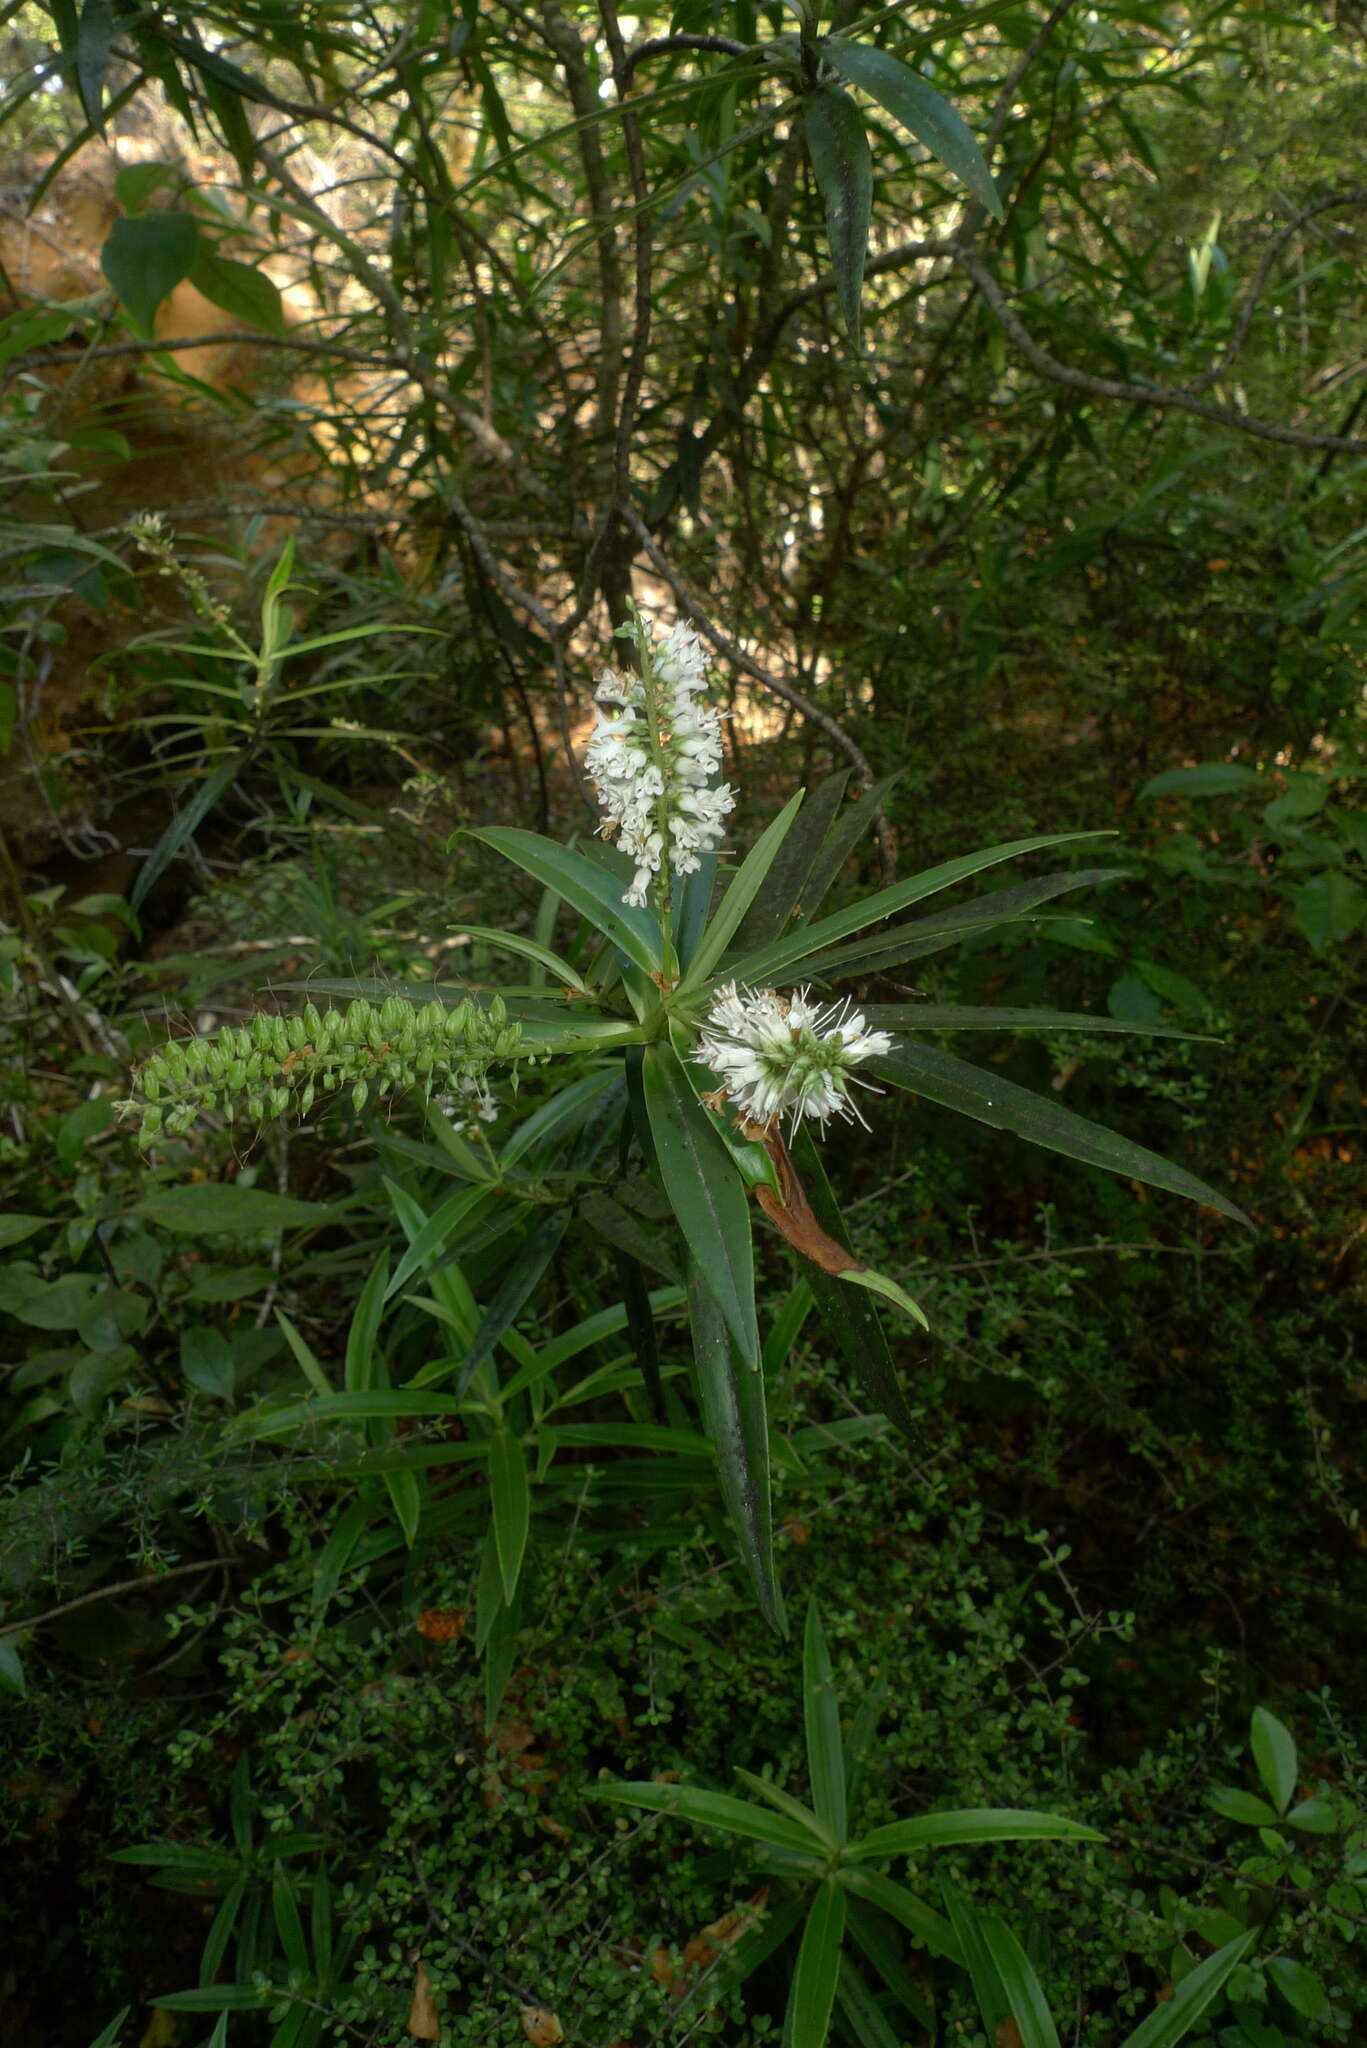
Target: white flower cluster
{"points": [[785, 1056], [655, 747]]}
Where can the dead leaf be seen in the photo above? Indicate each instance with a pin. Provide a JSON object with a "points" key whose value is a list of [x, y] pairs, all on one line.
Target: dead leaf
{"points": [[1009, 2033], [424, 2022], [791, 1214], [442, 1624], [540, 2025]]}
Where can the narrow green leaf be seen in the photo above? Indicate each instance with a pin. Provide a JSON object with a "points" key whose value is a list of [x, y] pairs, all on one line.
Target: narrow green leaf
{"points": [[974, 1017], [1172, 2021], [706, 1193], [843, 168], [840, 842], [407, 1492], [927, 1927], [969, 1824], [12, 1678], [533, 1257], [744, 887], [704, 1809], [1207, 778], [821, 1719], [786, 886], [144, 260], [879, 1283], [731, 1390], [811, 939], [441, 1227], [1024, 1992], [376, 1404], [362, 1359], [511, 1499], [304, 1356], [94, 38], [332, 1560], [852, 1319], [225, 1209], [861, 2015], [288, 1924], [905, 95], [987, 1098], [783, 1802], [923, 936], [808, 2020], [215, 1998], [186, 823], [528, 949], [585, 886], [110, 2036], [873, 1936]]}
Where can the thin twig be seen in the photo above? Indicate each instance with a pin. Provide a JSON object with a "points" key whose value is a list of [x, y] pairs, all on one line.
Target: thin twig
{"points": [[142, 1584]]}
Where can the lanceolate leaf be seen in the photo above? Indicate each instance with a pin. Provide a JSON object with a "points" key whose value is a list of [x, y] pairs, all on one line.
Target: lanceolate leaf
{"points": [[925, 935], [839, 150], [706, 1193], [584, 885], [970, 1824], [904, 94], [971, 1017], [1171, 2022], [782, 890], [706, 1809], [731, 1391], [741, 894], [988, 1099], [818, 1969], [852, 1319], [802, 946], [511, 1500], [821, 1716]]}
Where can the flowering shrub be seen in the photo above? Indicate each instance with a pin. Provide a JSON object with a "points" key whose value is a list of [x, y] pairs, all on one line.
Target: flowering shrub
{"points": [[678, 1040]]}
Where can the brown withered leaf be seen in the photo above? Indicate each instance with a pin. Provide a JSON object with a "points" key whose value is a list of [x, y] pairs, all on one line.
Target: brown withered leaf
{"points": [[791, 1214], [540, 2025], [442, 1624], [424, 2022], [1009, 2033]]}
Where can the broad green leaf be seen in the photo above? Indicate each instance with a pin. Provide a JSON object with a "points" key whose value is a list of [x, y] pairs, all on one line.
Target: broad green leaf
{"points": [[1317, 1816], [222, 1209], [821, 1720], [1243, 1807], [704, 1809], [731, 1390], [802, 945], [905, 95], [741, 894], [987, 1098], [243, 290], [1328, 909], [969, 1824], [361, 1371], [1300, 1987], [511, 1498], [818, 1969], [145, 259], [206, 1360], [843, 168], [1207, 778], [1274, 1753], [1172, 2021], [585, 886], [705, 1192]]}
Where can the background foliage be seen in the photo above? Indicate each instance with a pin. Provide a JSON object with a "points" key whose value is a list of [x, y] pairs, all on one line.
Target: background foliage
{"points": [[496, 314]]}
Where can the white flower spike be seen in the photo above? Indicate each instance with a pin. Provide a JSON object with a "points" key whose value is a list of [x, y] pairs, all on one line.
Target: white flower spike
{"points": [[656, 746], [784, 1056]]}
